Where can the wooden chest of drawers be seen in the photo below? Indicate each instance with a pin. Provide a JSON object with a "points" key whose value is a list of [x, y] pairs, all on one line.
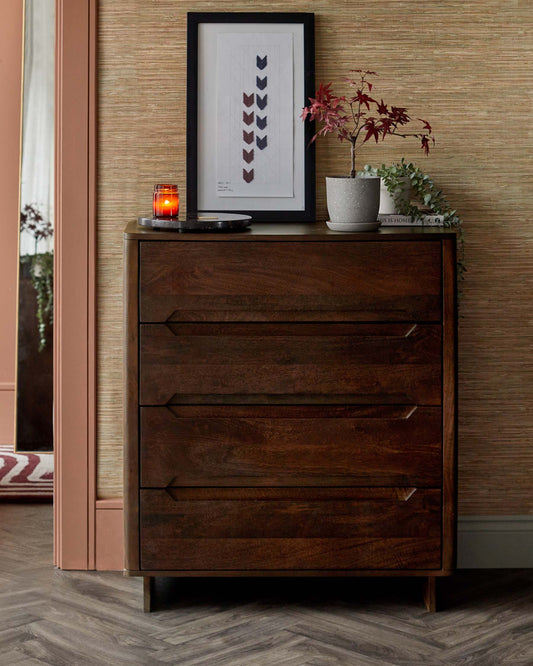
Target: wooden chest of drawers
{"points": [[290, 403]]}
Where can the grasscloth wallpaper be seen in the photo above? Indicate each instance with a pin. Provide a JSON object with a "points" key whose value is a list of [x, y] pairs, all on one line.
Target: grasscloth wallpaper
{"points": [[466, 67]]}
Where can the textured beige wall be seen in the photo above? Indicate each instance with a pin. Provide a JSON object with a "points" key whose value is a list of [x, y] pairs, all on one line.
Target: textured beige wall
{"points": [[466, 66]]}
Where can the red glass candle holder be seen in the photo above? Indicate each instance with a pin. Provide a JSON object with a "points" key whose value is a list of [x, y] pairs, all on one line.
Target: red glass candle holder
{"points": [[166, 201]]}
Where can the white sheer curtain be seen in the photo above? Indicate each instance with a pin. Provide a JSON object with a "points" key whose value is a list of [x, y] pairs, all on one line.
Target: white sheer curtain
{"points": [[37, 172]]}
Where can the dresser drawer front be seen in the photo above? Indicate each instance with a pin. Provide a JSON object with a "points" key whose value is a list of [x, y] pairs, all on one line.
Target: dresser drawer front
{"points": [[283, 446], [290, 363], [389, 528], [297, 281]]}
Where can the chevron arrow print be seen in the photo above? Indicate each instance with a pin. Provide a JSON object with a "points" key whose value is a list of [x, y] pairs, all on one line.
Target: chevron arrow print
{"points": [[249, 116], [248, 137], [248, 155], [254, 123], [261, 142], [261, 62], [261, 84], [248, 175], [262, 101]]}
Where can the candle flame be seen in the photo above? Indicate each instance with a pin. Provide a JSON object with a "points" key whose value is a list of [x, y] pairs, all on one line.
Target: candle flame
{"points": [[167, 201]]}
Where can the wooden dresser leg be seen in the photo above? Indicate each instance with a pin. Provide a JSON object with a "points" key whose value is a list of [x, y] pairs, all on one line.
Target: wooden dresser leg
{"points": [[148, 593], [430, 593]]}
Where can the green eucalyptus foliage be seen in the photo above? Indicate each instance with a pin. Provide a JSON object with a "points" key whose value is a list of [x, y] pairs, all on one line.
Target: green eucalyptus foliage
{"points": [[424, 193], [41, 268]]}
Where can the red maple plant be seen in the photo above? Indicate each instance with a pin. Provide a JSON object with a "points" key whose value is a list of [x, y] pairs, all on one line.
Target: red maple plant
{"points": [[352, 119]]}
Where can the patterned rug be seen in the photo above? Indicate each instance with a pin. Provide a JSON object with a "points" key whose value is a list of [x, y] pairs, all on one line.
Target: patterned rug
{"points": [[26, 476]]}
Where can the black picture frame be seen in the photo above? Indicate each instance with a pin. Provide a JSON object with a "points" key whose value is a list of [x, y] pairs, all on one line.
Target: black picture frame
{"points": [[302, 206]]}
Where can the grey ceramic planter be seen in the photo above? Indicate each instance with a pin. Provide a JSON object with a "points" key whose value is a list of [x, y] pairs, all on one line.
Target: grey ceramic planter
{"points": [[353, 203]]}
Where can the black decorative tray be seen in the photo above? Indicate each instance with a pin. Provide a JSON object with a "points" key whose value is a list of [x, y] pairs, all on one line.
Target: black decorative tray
{"points": [[204, 222]]}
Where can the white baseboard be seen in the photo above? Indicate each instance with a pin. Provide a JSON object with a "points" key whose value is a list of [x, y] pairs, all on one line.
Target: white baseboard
{"points": [[495, 542]]}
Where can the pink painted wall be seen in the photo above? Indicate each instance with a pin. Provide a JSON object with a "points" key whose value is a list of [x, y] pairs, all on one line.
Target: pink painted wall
{"points": [[10, 78]]}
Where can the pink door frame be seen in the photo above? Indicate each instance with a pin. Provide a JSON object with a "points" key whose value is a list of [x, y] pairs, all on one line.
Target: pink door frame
{"points": [[74, 322], [88, 532], [10, 117]]}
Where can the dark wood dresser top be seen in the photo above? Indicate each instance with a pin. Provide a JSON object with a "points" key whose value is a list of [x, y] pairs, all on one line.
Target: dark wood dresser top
{"points": [[289, 231]]}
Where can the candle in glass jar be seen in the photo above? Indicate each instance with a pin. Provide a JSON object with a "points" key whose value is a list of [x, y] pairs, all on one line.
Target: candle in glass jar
{"points": [[166, 201]]}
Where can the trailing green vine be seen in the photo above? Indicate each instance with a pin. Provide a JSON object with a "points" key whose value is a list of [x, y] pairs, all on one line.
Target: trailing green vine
{"points": [[41, 266], [43, 283], [426, 199]]}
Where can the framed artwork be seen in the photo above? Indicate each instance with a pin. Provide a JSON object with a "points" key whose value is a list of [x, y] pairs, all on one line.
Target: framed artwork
{"points": [[248, 151]]}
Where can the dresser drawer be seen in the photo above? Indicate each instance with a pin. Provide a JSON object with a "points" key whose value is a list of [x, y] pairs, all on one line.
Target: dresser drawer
{"points": [[290, 363], [296, 281], [290, 446], [221, 529]]}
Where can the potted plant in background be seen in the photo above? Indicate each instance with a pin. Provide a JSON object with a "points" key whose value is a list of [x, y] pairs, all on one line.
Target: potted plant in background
{"points": [[353, 201], [39, 266], [412, 193]]}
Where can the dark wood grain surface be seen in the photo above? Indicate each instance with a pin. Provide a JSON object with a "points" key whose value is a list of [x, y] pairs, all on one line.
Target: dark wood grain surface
{"points": [[289, 232], [430, 593], [296, 513], [346, 553], [131, 404], [377, 363], [295, 404], [289, 445], [449, 406], [296, 281]]}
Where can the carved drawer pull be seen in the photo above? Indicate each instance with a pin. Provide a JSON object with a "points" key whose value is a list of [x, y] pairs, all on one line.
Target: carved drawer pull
{"points": [[315, 494]]}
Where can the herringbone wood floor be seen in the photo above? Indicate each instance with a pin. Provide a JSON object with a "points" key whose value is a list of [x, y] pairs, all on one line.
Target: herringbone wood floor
{"points": [[85, 618]]}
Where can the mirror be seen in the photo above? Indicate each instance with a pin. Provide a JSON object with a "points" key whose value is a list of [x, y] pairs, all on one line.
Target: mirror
{"points": [[34, 405]]}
